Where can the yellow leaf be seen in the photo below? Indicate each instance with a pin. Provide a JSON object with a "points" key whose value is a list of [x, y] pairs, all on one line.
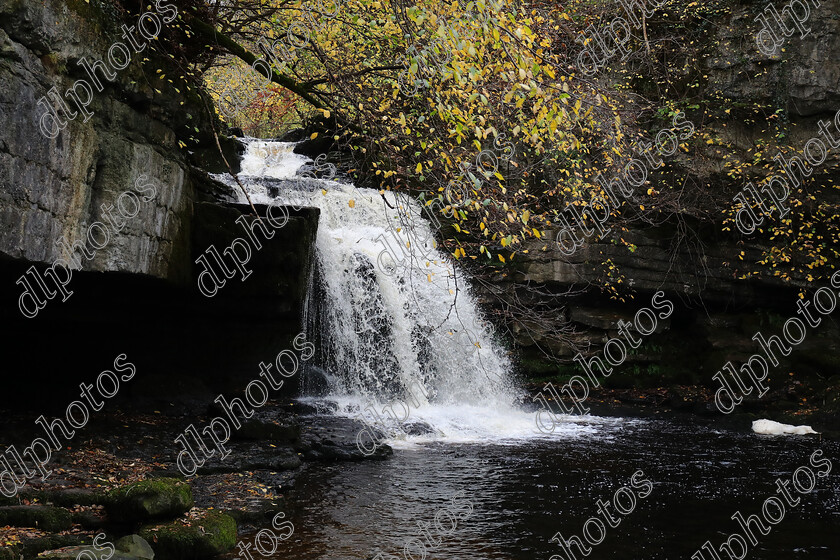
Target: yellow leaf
{"points": [[501, 258], [314, 136], [352, 203], [419, 168]]}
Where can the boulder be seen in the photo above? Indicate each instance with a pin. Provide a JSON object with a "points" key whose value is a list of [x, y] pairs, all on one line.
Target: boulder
{"points": [[135, 546], [417, 428], [149, 499], [212, 534]]}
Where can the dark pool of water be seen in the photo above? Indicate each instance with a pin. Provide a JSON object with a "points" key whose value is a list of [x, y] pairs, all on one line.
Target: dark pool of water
{"points": [[525, 492]]}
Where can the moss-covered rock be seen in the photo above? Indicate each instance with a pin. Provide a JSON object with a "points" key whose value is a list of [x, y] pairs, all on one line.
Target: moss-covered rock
{"points": [[41, 517], [211, 534], [149, 499]]}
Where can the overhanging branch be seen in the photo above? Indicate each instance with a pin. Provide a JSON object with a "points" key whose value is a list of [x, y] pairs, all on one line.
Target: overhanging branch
{"points": [[234, 48]]}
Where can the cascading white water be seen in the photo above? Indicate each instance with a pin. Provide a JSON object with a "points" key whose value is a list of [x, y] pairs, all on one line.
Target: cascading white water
{"points": [[392, 319], [271, 159]]}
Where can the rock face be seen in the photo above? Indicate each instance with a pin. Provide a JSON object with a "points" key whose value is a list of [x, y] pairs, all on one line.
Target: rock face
{"points": [[714, 320], [54, 188], [716, 313], [131, 182]]}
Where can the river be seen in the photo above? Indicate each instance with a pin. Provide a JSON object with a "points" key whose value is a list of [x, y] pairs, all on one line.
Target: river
{"points": [[473, 457]]}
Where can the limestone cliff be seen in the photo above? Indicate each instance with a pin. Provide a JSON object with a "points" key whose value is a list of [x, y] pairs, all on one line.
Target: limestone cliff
{"points": [[137, 293]]}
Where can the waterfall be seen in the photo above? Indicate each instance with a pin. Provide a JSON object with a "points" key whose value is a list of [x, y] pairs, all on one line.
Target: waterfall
{"points": [[394, 316]]}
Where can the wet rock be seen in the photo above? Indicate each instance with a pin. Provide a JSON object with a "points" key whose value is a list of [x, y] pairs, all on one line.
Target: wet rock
{"points": [[212, 534], [41, 517], [256, 510], [320, 407], [240, 459], [149, 499], [417, 428]]}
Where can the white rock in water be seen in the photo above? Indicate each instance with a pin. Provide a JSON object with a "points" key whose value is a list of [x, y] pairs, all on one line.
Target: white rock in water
{"points": [[771, 428]]}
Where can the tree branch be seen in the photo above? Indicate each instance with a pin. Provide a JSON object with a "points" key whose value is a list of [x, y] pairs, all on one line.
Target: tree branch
{"points": [[234, 48]]}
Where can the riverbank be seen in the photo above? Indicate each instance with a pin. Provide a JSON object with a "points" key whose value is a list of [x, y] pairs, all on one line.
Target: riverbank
{"points": [[117, 450], [811, 401]]}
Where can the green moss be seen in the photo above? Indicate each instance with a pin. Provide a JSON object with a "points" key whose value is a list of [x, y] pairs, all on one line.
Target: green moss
{"points": [[212, 534], [541, 370], [149, 499]]}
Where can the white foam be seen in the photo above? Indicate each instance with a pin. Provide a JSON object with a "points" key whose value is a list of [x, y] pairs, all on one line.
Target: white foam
{"points": [[772, 428], [271, 159]]}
